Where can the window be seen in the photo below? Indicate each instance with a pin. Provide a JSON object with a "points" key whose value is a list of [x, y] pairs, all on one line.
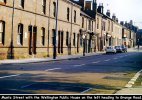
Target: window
{"points": [[22, 3], [92, 26], [103, 26], [97, 23], [74, 39], [112, 26], [2, 31], [43, 36], [81, 40], [44, 6], [68, 14], [20, 34], [74, 16], [108, 25], [54, 9], [53, 35], [67, 39], [3, 1], [82, 22], [89, 25]]}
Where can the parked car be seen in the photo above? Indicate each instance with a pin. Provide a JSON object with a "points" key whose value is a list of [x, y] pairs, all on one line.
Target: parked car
{"points": [[124, 48], [119, 49], [110, 49]]}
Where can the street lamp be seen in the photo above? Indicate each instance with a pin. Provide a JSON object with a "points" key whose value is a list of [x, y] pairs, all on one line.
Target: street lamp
{"points": [[84, 37], [11, 44], [56, 32]]}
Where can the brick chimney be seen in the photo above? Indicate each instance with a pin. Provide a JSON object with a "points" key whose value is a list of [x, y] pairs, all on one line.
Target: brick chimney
{"points": [[89, 5]]}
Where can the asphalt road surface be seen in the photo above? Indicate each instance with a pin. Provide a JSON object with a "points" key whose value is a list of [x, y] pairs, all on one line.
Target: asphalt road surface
{"points": [[100, 74]]}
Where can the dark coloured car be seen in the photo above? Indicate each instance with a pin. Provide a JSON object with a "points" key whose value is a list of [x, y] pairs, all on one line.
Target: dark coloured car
{"points": [[118, 49], [124, 48]]}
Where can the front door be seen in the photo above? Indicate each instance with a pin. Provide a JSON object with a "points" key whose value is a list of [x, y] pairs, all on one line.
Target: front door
{"points": [[60, 42], [32, 39]]}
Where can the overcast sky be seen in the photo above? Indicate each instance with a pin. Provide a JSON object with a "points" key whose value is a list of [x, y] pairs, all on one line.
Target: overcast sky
{"points": [[125, 10]]}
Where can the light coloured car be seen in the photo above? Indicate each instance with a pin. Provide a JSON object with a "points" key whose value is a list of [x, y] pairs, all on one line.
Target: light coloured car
{"points": [[110, 49]]}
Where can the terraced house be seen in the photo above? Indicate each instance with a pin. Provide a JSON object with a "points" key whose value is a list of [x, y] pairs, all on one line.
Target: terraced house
{"points": [[28, 27], [47, 28]]}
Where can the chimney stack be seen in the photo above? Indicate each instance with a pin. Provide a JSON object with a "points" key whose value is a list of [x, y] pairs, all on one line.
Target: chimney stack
{"points": [[82, 2], [94, 5], [131, 22], [114, 17], [122, 23], [100, 8], [89, 5], [126, 24], [108, 13]]}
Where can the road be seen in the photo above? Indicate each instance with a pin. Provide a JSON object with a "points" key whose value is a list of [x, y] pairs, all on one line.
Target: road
{"points": [[100, 74]]}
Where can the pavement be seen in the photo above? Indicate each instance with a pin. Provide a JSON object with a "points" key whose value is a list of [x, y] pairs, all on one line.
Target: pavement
{"points": [[36, 60], [63, 57], [128, 89]]}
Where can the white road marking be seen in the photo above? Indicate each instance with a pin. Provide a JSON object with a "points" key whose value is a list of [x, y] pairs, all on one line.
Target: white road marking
{"points": [[86, 90], [95, 62], [27, 85], [133, 80], [107, 60], [79, 65], [10, 76], [52, 69], [115, 58]]}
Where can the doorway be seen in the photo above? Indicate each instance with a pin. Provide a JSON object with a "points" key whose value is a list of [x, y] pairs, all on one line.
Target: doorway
{"points": [[32, 39]]}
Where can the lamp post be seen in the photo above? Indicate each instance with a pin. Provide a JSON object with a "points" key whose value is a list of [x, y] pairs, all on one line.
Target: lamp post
{"points": [[56, 32], [84, 37], [11, 44]]}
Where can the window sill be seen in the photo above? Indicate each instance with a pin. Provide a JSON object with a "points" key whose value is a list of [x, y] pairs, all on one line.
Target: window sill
{"points": [[1, 45], [2, 3]]}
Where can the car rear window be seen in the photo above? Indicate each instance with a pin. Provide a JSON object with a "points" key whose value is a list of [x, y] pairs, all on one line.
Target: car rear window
{"points": [[109, 47]]}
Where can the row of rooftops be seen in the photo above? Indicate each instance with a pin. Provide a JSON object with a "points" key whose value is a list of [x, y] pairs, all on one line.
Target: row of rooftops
{"points": [[90, 9]]}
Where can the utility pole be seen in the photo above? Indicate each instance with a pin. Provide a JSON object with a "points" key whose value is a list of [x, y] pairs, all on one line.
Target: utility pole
{"points": [[56, 32]]}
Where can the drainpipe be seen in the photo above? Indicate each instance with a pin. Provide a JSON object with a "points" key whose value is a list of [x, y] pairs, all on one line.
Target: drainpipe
{"points": [[70, 47]]}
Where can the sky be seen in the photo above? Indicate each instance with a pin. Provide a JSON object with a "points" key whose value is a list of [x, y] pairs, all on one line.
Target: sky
{"points": [[125, 10]]}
